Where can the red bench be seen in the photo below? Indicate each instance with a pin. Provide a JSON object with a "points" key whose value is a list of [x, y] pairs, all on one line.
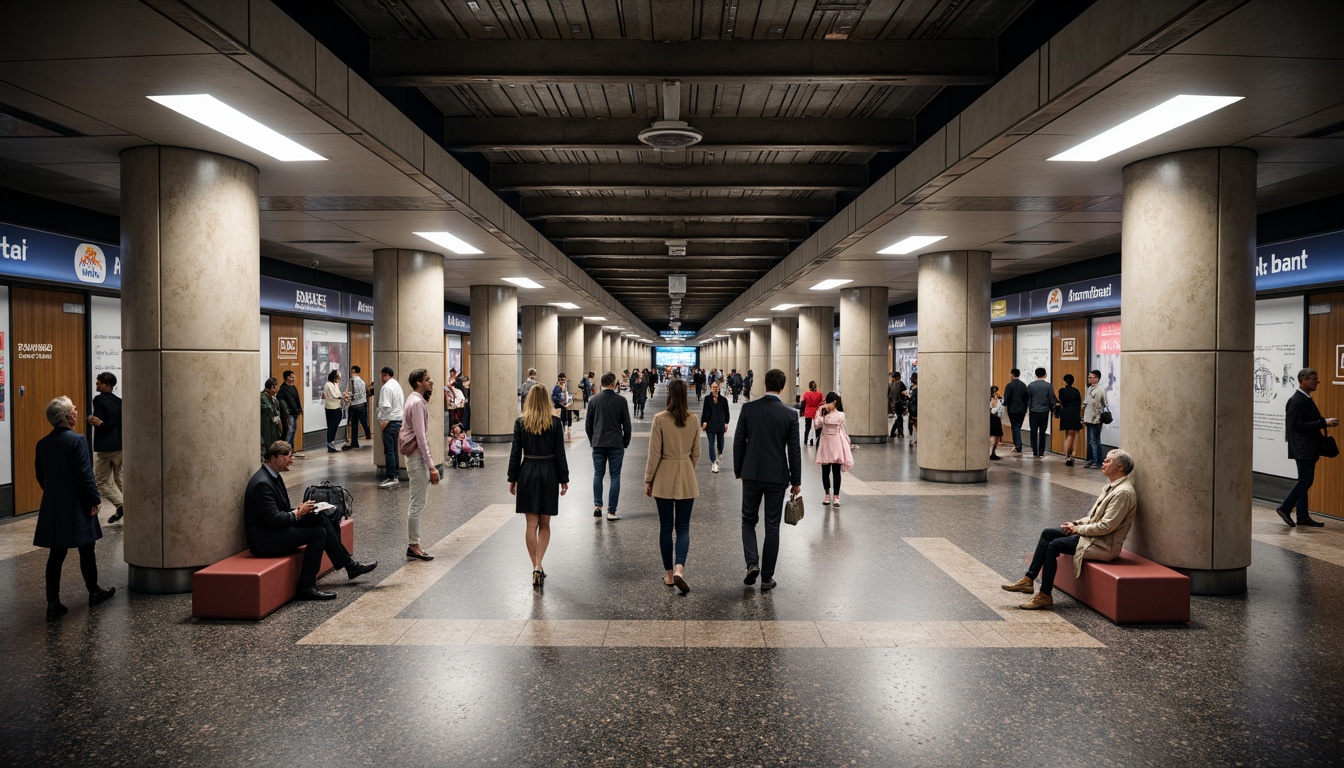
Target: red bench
{"points": [[249, 587], [1130, 589]]}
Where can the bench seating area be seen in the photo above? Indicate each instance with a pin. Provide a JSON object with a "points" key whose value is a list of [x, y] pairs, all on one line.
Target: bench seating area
{"points": [[1130, 589], [249, 587]]}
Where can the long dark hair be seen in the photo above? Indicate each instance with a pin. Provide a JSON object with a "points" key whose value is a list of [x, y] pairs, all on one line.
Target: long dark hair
{"points": [[832, 397], [676, 402]]}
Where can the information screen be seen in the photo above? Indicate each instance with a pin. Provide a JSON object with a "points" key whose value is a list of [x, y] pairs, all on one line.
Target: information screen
{"points": [[677, 356]]}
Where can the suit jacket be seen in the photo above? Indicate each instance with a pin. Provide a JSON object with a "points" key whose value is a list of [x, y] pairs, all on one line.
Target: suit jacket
{"points": [[770, 429], [715, 415], [607, 423], [1302, 427], [65, 472], [673, 453], [1015, 396], [266, 505]]}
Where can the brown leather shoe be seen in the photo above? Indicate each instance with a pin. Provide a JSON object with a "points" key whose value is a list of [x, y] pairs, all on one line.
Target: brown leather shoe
{"points": [[1024, 585], [1040, 602]]}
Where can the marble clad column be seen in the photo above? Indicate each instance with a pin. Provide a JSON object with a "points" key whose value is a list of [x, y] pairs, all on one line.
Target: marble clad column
{"points": [[863, 362], [189, 236], [1187, 240], [571, 352], [592, 349], [730, 360], [816, 348], [608, 355], [541, 342], [494, 362], [408, 331], [783, 353], [760, 357], [954, 361], [743, 352]]}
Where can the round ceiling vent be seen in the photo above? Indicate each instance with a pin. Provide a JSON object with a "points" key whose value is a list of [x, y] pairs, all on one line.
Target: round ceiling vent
{"points": [[670, 134]]}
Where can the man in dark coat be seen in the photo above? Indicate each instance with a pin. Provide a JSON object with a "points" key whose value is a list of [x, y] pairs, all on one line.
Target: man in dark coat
{"points": [[1302, 429], [1015, 403], [767, 458], [68, 517], [275, 529]]}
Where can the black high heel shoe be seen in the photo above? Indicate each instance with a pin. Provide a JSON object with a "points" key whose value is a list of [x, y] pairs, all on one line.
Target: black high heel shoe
{"points": [[536, 577]]}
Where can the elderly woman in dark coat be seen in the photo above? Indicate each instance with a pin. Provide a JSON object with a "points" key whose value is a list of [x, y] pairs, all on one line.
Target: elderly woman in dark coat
{"points": [[68, 517]]}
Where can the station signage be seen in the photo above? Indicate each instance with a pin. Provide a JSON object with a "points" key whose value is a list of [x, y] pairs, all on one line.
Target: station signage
{"points": [[1316, 260], [674, 335], [902, 325], [35, 255], [455, 322], [1100, 294]]}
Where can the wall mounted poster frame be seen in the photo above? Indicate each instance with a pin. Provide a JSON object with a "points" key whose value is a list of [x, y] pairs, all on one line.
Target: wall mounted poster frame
{"points": [[1279, 354]]}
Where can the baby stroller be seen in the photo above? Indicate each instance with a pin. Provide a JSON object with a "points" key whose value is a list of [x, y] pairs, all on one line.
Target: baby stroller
{"points": [[464, 453]]}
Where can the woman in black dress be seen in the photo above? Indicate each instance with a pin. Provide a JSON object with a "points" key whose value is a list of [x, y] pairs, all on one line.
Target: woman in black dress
{"points": [[538, 472], [995, 422], [1070, 416]]}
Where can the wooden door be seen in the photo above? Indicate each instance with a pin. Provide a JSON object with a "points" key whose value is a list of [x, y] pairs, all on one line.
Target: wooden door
{"points": [[1068, 354], [1325, 343], [286, 355], [49, 361], [361, 353], [1003, 350], [466, 355]]}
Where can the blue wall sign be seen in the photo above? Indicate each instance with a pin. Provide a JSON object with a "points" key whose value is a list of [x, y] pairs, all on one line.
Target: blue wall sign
{"points": [[902, 325], [36, 255], [1316, 260], [455, 322], [1084, 296]]}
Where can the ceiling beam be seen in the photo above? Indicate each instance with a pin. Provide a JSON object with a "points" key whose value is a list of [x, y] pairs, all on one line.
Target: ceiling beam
{"points": [[784, 62], [514, 177], [580, 249], [671, 267], [745, 134], [763, 208], [675, 230]]}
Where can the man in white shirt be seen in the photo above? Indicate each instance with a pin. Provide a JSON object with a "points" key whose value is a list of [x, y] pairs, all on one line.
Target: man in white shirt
{"points": [[391, 402]]}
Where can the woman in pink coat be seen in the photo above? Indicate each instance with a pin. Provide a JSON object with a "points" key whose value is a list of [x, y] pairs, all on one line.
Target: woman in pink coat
{"points": [[833, 453]]}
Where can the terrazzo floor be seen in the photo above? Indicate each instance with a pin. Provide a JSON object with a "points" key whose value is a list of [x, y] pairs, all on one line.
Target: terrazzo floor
{"points": [[886, 643]]}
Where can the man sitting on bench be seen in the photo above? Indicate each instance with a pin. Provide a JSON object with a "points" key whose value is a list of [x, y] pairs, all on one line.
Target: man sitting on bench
{"points": [[1098, 536], [275, 529]]}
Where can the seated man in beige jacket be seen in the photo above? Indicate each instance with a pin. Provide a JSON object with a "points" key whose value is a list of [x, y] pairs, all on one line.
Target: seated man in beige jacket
{"points": [[1098, 536]]}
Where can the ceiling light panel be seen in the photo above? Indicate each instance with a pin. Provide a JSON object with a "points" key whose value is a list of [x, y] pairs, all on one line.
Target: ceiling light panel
{"points": [[451, 242], [783, 307], [912, 243], [564, 305], [215, 114], [826, 285], [1168, 115], [599, 319], [523, 282]]}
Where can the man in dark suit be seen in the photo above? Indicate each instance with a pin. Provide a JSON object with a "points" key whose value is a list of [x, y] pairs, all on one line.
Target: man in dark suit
{"points": [[275, 529], [767, 458], [608, 428], [1302, 429], [1015, 402], [68, 517]]}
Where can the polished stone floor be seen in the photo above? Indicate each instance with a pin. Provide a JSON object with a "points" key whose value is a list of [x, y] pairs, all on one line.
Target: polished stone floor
{"points": [[887, 642]]}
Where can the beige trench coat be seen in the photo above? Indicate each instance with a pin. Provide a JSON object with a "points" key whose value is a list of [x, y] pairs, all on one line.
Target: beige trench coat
{"points": [[1101, 535], [673, 453]]}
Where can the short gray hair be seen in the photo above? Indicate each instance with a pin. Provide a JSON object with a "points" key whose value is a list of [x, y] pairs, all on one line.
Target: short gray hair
{"points": [[1306, 373], [1125, 461], [58, 411]]}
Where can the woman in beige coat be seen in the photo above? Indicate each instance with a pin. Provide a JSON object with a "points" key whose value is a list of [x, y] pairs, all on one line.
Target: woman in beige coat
{"points": [[669, 477]]}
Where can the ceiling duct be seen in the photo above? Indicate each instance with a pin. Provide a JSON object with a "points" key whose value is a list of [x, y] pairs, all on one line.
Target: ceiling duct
{"points": [[671, 132]]}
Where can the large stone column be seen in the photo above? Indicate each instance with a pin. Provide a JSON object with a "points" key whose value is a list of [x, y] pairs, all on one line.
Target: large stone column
{"points": [[743, 357], [592, 349], [190, 237], [609, 354], [571, 353], [954, 359], [816, 348], [541, 342], [1187, 240], [783, 353], [760, 357], [408, 331], [494, 362], [863, 362]]}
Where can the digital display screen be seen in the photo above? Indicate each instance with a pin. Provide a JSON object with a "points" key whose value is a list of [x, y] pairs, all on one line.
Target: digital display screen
{"points": [[677, 356]]}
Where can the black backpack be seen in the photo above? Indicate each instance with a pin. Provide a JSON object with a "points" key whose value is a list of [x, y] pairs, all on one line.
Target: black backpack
{"points": [[340, 499]]}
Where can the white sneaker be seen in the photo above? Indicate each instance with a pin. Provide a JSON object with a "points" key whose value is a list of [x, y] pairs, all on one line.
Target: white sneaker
{"points": [[826, 501], [390, 482], [714, 467], [835, 500]]}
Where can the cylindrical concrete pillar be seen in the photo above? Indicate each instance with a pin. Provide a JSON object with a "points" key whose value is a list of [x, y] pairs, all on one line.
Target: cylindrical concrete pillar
{"points": [[541, 342], [954, 359], [494, 362], [609, 354], [783, 353], [760, 357], [863, 362], [592, 350], [408, 330], [743, 351], [1187, 238], [571, 353], [816, 349], [189, 227]]}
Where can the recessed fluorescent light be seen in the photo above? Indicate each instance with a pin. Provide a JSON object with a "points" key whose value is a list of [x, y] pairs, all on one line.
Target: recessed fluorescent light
{"points": [[783, 307], [755, 320], [1166, 116], [455, 244], [826, 285], [213, 113], [599, 319], [737, 329], [523, 282], [564, 305], [912, 243]]}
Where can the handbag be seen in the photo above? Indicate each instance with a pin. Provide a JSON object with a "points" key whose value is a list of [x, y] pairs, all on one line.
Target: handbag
{"points": [[340, 499], [793, 509], [1106, 417], [1329, 448]]}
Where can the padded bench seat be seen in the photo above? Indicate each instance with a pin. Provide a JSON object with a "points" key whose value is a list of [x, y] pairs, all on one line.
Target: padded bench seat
{"points": [[245, 586], [1130, 589]]}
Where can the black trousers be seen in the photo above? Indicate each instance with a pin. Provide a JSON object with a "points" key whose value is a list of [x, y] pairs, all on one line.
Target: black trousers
{"points": [[1015, 418], [753, 492], [88, 567], [898, 426], [313, 531], [1039, 422], [359, 416], [1045, 561], [827, 472]]}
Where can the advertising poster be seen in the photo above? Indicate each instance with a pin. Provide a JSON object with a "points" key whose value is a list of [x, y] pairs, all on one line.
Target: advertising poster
{"points": [[1279, 330], [105, 326], [6, 426], [905, 356], [265, 356], [326, 349], [1033, 351], [1106, 358]]}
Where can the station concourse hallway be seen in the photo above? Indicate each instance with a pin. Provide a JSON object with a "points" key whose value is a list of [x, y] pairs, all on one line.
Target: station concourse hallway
{"points": [[886, 643]]}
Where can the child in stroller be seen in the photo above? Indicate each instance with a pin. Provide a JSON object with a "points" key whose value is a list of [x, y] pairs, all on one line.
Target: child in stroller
{"points": [[463, 452]]}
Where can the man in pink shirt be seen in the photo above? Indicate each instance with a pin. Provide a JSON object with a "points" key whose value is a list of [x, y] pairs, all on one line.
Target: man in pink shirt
{"points": [[413, 443]]}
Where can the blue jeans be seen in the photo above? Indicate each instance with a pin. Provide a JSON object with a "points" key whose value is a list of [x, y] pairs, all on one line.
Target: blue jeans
{"points": [[1094, 443], [674, 513], [390, 469], [290, 430], [715, 437], [604, 460], [1297, 497]]}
